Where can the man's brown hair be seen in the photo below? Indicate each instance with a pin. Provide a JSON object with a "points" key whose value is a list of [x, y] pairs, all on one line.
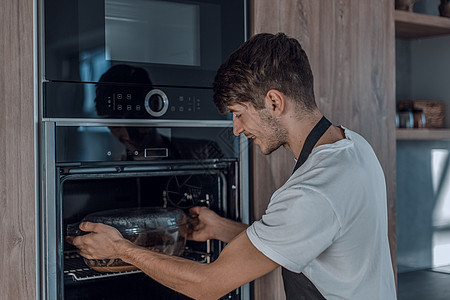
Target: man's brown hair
{"points": [[264, 62]]}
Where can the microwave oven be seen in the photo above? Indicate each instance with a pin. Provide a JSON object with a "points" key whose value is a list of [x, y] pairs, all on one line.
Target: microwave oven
{"points": [[179, 43]]}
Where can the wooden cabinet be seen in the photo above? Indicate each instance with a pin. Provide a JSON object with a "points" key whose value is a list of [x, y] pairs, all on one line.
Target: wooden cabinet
{"points": [[351, 47], [17, 163]]}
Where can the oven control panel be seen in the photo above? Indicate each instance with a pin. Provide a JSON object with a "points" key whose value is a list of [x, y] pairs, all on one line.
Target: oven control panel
{"points": [[106, 100], [156, 104]]}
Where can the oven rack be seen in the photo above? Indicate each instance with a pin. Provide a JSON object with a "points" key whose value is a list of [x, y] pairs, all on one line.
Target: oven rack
{"points": [[75, 267]]}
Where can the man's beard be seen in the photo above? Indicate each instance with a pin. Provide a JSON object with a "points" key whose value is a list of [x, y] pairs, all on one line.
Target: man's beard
{"points": [[277, 135]]}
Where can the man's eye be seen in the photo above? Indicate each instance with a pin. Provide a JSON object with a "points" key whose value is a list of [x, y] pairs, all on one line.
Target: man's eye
{"points": [[237, 115]]}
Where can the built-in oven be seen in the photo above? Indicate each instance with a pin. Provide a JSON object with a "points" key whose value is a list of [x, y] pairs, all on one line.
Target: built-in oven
{"points": [[89, 168], [127, 120], [178, 42]]}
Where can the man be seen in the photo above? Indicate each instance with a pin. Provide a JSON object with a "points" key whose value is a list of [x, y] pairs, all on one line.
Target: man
{"points": [[328, 221]]}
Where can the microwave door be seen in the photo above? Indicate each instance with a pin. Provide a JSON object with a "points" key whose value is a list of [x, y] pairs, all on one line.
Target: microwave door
{"points": [[178, 43]]}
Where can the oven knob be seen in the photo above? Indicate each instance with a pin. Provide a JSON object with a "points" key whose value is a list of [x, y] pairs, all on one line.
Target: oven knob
{"points": [[156, 103]]}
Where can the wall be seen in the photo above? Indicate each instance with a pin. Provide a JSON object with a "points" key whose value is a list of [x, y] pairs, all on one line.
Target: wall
{"points": [[351, 48], [17, 172]]}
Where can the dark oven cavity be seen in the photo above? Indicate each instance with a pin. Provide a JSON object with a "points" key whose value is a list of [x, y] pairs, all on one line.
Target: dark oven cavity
{"points": [[90, 188]]}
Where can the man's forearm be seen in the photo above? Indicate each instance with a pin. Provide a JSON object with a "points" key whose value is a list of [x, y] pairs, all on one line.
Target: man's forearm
{"points": [[228, 230], [239, 262], [185, 276]]}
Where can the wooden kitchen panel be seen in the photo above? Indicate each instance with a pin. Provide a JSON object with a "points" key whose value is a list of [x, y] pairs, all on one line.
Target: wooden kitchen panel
{"points": [[351, 48], [17, 170]]}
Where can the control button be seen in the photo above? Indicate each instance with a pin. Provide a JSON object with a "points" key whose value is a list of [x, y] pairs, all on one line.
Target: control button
{"points": [[128, 96], [119, 96], [156, 103], [181, 108], [173, 108], [128, 107], [119, 107], [138, 107]]}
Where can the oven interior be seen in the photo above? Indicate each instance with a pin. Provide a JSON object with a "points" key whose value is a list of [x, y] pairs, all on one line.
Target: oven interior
{"points": [[91, 188]]}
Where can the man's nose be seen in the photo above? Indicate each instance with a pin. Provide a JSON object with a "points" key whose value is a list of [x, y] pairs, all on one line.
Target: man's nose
{"points": [[237, 126]]}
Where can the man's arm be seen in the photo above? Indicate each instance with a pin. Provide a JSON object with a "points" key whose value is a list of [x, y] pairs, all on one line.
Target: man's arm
{"points": [[210, 225], [238, 263]]}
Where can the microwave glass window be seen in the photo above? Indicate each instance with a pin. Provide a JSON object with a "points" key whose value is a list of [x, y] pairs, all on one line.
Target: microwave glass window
{"points": [[154, 32], [179, 43]]}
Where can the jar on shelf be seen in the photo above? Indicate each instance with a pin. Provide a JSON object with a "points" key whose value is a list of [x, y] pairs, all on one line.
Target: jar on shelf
{"points": [[405, 118], [419, 118]]}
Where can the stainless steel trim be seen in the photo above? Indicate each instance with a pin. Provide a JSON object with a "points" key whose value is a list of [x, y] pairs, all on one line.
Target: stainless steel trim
{"points": [[139, 122], [244, 183], [36, 34], [79, 174], [42, 288], [245, 19], [245, 171], [49, 215], [244, 179]]}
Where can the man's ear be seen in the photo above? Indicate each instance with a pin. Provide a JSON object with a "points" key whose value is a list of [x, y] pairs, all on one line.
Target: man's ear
{"points": [[275, 101]]}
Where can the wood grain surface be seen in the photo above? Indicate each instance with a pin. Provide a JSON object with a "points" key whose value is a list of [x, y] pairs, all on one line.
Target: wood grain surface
{"points": [[351, 47], [17, 174]]}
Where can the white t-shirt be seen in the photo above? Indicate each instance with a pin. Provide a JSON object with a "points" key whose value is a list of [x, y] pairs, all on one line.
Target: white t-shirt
{"points": [[329, 221]]}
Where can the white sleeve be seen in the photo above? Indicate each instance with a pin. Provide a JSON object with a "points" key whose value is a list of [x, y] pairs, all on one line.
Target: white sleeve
{"points": [[298, 226]]}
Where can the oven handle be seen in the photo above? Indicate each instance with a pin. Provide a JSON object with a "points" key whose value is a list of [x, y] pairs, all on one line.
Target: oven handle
{"points": [[156, 152]]}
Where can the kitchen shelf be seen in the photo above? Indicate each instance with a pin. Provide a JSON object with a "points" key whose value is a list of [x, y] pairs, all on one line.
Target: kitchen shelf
{"points": [[423, 134], [413, 25]]}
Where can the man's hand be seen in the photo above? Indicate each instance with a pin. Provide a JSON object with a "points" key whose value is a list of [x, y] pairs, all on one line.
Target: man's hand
{"points": [[210, 225], [102, 242], [203, 225]]}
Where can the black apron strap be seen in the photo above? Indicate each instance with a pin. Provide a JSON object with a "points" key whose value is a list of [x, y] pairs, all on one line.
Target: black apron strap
{"points": [[312, 139], [296, 285]]}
